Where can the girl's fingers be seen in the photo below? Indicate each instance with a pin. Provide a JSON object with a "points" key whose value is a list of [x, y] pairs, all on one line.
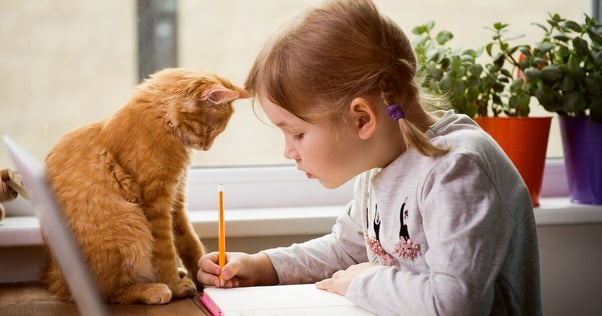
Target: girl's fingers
{"points": [[207, 279], [208, 263], [209, 271]]}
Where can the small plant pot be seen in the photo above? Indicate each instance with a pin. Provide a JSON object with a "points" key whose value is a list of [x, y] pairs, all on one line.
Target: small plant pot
{"points": [[582, 147], [525, 142]]}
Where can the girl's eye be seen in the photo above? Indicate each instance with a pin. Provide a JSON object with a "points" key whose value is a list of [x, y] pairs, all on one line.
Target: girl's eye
{"points": [[298, 136]]}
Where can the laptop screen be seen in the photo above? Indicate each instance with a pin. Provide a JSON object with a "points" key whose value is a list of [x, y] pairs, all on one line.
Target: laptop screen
{"points": [[57, 234]]}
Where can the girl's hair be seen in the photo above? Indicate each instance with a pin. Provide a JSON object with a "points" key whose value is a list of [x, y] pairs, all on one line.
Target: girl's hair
{"points": [[335, 53]]}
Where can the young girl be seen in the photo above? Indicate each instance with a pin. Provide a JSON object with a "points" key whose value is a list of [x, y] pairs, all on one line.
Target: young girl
{"points": [[441, 222]]}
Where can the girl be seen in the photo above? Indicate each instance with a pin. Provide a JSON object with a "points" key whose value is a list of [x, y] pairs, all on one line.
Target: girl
{"points": [[440, 223]]}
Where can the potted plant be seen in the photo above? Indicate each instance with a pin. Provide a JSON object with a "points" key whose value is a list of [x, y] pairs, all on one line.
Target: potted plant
{"points": [[564, 72], [475, 88], [486, 89]]}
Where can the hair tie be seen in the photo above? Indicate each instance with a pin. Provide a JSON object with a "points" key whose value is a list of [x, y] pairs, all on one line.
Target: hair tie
{"points": [[395, 111]]}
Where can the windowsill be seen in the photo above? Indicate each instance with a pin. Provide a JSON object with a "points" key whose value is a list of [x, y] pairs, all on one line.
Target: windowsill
{"points": [[305, 220]]}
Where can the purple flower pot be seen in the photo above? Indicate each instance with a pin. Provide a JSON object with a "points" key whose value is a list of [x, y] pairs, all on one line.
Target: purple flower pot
{"points": [[582, 146]]}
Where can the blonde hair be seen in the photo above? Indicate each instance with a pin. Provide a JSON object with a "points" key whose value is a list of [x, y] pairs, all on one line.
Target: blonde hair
{"points": [[337, 52]]}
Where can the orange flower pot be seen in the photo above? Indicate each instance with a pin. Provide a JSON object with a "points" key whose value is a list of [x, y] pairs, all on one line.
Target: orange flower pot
{"points": [[525, 142]]}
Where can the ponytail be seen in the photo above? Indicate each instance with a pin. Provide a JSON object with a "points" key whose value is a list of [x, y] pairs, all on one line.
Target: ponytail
{"points": [[413, 137], [391, 81]]}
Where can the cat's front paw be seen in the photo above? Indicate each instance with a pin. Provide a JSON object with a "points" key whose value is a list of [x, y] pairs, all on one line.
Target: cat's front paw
{"points": [[183, 288], [155, 293]]}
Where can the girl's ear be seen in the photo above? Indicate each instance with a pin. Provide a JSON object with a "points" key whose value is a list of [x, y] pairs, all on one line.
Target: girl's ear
{"points": [[217, 94], [364, 117]]}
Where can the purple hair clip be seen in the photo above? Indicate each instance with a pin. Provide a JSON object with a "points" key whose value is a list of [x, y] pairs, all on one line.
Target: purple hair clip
{"points": [[395, 112]]}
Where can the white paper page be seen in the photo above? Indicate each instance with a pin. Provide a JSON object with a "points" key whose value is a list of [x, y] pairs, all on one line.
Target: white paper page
{"points": [[303, 299]]}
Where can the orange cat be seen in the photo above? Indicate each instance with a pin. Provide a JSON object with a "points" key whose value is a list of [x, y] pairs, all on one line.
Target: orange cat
{"points": [[121, 184]]}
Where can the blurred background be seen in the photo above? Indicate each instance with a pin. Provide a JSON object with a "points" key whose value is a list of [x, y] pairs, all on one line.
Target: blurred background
{"points": [[66, 63]]}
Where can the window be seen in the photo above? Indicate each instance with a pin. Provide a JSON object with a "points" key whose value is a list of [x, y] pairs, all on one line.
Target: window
{"points": [[65, 63]]}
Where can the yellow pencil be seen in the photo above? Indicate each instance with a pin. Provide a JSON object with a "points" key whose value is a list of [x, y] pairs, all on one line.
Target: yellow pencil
{"points": [[221, 232]]}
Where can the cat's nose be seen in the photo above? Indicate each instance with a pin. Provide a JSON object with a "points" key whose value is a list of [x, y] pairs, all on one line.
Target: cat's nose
{"points": [[207, 144]]}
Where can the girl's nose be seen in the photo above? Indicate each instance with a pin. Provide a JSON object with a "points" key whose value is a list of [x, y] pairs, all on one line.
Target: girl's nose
{"points": [[290, 152]]}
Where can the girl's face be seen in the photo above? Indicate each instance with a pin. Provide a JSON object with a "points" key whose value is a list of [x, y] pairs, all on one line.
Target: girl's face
{"points": [[324, 152]]}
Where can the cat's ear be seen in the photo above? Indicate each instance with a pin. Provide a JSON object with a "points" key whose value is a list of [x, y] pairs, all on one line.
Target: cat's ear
{"points": [[217, 94]]}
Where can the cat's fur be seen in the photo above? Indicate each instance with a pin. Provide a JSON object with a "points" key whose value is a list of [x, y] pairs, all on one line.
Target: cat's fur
{"points": [[121, 184]]}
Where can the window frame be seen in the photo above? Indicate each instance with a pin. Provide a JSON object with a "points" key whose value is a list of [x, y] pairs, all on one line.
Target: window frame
{"points": [[259, 187], [283, 186]]}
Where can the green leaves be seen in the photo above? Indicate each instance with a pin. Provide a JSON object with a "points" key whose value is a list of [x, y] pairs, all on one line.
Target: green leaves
{"points": [[596, 110], [472, 87], [562, 71], [545, 98], [573, 102], [424, 28], [544, 47], [520, 102], [581, 46], [443, 37], [572, 25], [532, 73], [551, 73]]}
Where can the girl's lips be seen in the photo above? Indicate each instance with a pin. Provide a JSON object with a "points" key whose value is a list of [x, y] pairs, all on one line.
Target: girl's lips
{"points": [[309, 175]]}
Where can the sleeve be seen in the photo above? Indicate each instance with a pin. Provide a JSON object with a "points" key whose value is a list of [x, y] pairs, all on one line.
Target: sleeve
{"points": [[468, 228], [319, 258]]}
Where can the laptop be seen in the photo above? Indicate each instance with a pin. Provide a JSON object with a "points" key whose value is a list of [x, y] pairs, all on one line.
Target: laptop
{"points": [[75, 271]]}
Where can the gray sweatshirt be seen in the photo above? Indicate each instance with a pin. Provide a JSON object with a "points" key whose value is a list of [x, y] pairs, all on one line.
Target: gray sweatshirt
{"points": [[452, 235]]}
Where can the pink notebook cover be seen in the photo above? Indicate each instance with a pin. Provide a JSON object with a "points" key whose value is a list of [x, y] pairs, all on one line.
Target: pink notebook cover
{"points": [[210, 305]]}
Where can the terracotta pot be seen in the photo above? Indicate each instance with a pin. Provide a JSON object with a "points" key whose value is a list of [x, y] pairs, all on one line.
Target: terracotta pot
{"points": [[525, 141]]}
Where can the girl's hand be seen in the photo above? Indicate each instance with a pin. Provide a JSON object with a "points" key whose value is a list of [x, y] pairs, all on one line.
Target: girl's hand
{"points": [[209, 271], [340, 280], [241, 269]]}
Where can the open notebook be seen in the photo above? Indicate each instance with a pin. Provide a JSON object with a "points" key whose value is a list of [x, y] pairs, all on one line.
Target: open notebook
{"points": [[302, 300], [56, 231]]}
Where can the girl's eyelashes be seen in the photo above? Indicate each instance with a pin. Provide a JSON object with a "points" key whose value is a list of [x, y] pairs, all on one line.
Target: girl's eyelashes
{"points": [[298, 136]]}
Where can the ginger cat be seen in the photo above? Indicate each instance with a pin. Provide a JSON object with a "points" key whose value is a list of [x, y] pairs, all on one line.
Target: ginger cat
{"points": [[121, 184]]}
